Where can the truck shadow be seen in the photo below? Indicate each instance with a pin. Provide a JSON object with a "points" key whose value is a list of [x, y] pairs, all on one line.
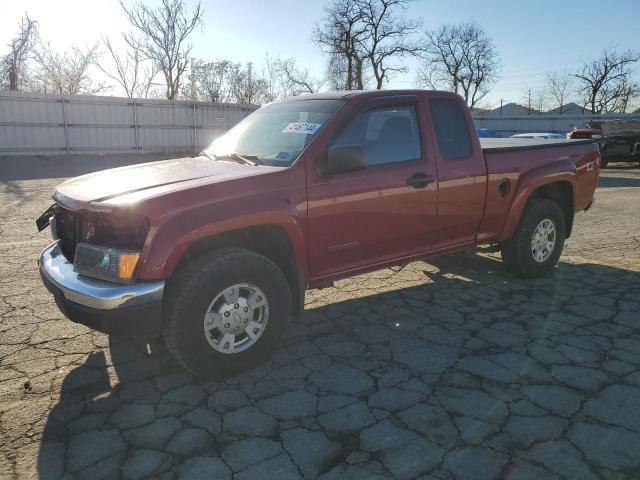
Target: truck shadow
{"points": [[89, 394], [127, 386]]}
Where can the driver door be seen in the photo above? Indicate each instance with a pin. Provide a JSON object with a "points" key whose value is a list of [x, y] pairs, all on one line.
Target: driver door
{"points": [[387, 211]]}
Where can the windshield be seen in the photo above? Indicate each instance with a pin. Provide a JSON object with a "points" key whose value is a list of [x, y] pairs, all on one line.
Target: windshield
{"points": [[276, 134]]}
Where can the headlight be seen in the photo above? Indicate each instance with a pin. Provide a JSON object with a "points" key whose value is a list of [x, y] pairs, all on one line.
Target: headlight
{"points": [[596, 136], [105, 263], [116, 231]]}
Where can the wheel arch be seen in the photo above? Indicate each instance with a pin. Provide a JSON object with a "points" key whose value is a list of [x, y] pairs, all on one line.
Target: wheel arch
{"points": [[270, 241], [561, 193], [559, 188]]}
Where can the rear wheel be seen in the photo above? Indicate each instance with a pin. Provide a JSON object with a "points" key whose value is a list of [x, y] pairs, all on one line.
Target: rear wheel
{"points": [[225, 311], [604, 162], [538, 242]]}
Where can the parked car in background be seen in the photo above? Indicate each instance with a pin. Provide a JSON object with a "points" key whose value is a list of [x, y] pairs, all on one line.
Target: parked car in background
{"points": [[621, 141], [215, 252], [487, 133], [587, 130], [537, 135]]}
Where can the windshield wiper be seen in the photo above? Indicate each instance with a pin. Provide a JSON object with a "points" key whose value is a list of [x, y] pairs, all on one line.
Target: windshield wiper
{"points": [[247, 159]]}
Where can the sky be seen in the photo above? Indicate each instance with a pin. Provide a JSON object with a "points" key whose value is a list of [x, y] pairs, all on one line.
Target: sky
{"points": [[532, 37]]}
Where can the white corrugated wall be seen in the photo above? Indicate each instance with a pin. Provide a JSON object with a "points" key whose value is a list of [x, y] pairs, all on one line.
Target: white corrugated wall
{"points": [[55, 124]]}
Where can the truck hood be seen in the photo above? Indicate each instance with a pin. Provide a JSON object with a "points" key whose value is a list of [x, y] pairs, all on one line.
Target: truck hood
{"points": [[106, 185]]}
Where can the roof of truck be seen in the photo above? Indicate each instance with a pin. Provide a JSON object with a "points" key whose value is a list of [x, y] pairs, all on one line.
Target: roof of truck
{"points": [[508, 144], [343, 94]]}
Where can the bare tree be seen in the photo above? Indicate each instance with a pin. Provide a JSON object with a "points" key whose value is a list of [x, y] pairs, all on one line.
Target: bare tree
{"points": [[212, 81], [625, 91], [132, 72], [226, 81], [365, 36], [461, 58], [67, 72], [297, 81], [247, 87], [559, 88], [541, 99], [272, 75], [285, 79], [387, 36], [163, 37], [13, 64], [336, 72], [605, 82], [535, 100], [340, 35]]}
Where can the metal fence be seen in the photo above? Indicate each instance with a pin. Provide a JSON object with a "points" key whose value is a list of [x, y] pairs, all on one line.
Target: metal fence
{"points": [[510, 125], [54, 124]]}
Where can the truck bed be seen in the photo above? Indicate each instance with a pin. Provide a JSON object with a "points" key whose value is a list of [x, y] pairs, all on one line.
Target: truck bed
{"points": [[510, 144], [516, 162]]}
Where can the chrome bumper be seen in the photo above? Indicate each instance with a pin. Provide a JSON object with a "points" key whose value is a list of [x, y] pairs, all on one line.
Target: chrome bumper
{"points": [[93, 293]]}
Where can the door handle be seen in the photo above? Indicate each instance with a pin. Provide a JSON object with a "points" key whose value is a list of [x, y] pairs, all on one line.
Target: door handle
{"points": [[419, 180]]}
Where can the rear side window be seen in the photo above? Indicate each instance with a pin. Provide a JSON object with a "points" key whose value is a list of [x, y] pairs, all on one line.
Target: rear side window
{"points": [[452, 131], [386, 135]]}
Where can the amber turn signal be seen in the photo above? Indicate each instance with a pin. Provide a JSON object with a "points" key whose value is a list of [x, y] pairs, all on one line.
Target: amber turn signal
{"points": [[127, 264]]}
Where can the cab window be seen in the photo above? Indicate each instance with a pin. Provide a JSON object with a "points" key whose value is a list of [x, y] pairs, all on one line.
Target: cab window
{"points": [[452, 131], [386, 135]]}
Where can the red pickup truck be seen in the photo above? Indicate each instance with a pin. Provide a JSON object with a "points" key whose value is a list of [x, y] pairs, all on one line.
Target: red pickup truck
{"points": [[215, 252]]}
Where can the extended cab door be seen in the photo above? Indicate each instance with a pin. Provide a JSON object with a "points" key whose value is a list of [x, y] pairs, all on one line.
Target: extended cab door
{"points": [[387, 211], [462, 172]]}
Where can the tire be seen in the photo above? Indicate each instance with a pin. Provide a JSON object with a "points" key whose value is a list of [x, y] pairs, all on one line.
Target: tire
{"points": [[604, 162], [203, 287], [518, 252]]}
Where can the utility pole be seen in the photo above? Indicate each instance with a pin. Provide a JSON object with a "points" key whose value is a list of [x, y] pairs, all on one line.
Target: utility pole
{"points": [[193, 78], [501, 107], [249, 82]]}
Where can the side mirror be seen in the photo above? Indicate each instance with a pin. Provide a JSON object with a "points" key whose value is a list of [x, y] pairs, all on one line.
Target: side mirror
{"points": [[344, 158]]}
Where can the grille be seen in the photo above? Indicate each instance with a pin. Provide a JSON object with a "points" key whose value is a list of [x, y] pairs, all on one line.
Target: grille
{"points": [[68, 225]]}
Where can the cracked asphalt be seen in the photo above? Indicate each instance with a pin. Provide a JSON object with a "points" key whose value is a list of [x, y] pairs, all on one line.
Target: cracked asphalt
{"points": [[453, 369]]}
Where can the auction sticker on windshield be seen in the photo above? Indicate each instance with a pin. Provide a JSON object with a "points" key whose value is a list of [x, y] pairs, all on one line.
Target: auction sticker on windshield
{"points": [[298, 127]]}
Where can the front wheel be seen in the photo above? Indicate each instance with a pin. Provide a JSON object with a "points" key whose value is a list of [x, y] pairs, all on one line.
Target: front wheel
{"points": [[225, 311], [537, 244]]}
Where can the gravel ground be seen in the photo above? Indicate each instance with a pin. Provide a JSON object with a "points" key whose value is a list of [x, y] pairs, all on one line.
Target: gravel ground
{"points": [[446, 370]]}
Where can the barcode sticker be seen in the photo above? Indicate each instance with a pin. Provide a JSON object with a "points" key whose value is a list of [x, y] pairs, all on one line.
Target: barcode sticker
{"points": [[305, 128]]}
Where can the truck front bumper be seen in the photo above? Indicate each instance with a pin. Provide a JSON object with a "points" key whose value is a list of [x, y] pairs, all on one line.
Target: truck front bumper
{"points": [[132, 310]]}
